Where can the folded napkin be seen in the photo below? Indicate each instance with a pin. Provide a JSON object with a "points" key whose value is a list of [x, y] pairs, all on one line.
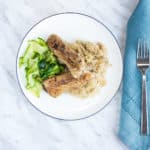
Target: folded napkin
{"points": [[129, 128]]}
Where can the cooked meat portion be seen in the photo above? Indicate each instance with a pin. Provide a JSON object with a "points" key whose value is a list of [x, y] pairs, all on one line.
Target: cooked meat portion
{"points": [[64, 82], [56, 43], [86, 63], [67, 56]]}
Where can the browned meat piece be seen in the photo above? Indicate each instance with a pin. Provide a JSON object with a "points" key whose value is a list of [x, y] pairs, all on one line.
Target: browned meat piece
{"points": [[64, 82], [67, 56]]}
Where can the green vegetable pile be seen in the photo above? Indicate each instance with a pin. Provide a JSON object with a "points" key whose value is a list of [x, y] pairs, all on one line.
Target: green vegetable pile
{"points": [[40, 64]]}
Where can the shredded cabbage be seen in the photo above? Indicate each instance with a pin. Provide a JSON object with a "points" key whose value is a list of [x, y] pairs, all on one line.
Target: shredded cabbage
{"points": [[39, 63]]}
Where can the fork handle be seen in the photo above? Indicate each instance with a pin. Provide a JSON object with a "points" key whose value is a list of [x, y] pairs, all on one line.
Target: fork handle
{"points": [[144, 115]]}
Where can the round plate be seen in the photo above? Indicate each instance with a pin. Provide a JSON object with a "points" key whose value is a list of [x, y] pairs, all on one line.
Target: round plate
{"points": [[73, 26]]}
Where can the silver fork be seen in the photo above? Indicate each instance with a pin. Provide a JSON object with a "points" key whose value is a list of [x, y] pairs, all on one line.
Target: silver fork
{"points": [[143, 63]]}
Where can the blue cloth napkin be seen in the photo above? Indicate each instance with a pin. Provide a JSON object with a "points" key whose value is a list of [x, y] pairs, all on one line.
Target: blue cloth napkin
{"points": [[129, 128]]}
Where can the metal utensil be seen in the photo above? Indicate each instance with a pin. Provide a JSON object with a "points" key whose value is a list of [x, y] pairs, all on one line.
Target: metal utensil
{"points": [[143, 63]]}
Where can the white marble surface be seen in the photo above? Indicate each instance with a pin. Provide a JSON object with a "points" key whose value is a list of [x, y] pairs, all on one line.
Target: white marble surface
{"points": [[21, 126]]}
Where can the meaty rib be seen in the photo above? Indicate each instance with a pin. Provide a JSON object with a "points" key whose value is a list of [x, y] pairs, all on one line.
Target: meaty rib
{"points": [[67, 56], [64, 82]]}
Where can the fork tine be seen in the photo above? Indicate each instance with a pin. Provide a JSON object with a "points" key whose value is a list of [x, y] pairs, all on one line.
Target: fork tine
{"points": [[141, 49], [138, 49], [148, 55], [144, 50]]}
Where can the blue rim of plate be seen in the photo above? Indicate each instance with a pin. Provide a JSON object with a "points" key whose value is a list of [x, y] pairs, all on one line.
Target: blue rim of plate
{"points": [[82, 14]]}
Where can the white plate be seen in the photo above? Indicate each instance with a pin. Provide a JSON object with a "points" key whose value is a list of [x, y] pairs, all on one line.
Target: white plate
{"points": [[72, 26]]}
